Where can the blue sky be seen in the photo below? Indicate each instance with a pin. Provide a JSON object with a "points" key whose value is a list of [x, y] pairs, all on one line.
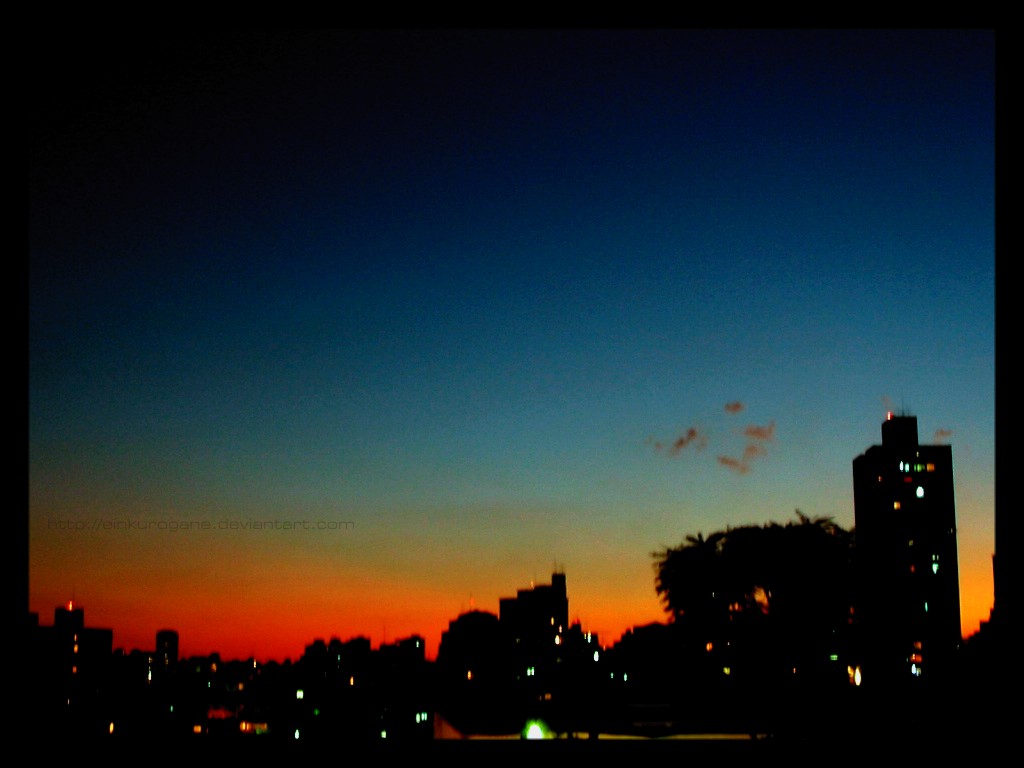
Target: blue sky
{"points": [[466, 289]]}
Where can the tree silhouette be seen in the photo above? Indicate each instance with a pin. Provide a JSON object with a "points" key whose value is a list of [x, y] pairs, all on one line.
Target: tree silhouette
{"points": [[764, 603]]}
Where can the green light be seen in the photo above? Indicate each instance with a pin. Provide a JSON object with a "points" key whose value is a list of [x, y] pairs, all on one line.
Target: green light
{"points": [[535, 729]]}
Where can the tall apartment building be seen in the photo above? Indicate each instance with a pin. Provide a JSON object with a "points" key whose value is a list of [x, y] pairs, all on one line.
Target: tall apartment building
{"points": [[907, 608]]}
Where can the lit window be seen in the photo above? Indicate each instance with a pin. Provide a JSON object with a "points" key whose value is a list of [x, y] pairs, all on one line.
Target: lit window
{"points": [[895, 505], [920, 492], [299, 693], [935, 567], [596, 656]]}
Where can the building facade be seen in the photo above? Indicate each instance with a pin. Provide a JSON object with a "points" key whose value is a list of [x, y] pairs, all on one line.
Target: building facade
{"points": [[907, 608]]}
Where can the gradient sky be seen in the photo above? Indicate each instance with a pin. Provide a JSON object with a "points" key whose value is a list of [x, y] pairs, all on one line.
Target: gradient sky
{"points": [[503, 301]]}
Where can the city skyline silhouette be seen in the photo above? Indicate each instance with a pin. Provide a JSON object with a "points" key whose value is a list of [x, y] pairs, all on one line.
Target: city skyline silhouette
{"points": [[760, 620], [346, 333]]}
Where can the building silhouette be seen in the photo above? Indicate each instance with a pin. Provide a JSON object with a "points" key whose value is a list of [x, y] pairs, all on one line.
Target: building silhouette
{"points": [[908, 591], [500, 674], [537, 620], [71, 668], [166, 651]]}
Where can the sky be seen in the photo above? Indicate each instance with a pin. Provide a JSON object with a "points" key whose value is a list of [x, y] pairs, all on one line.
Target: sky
{"points": [[344, 333]]}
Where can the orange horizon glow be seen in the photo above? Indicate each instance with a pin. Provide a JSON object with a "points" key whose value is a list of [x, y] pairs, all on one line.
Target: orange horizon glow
{"points": [[270, 634]]}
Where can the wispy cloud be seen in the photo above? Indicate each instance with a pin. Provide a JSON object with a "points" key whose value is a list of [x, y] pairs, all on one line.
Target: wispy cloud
{"points": [[691, 436], [760, 433], [753, 451], [757, 436], [734, 464], [943, 434]]}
